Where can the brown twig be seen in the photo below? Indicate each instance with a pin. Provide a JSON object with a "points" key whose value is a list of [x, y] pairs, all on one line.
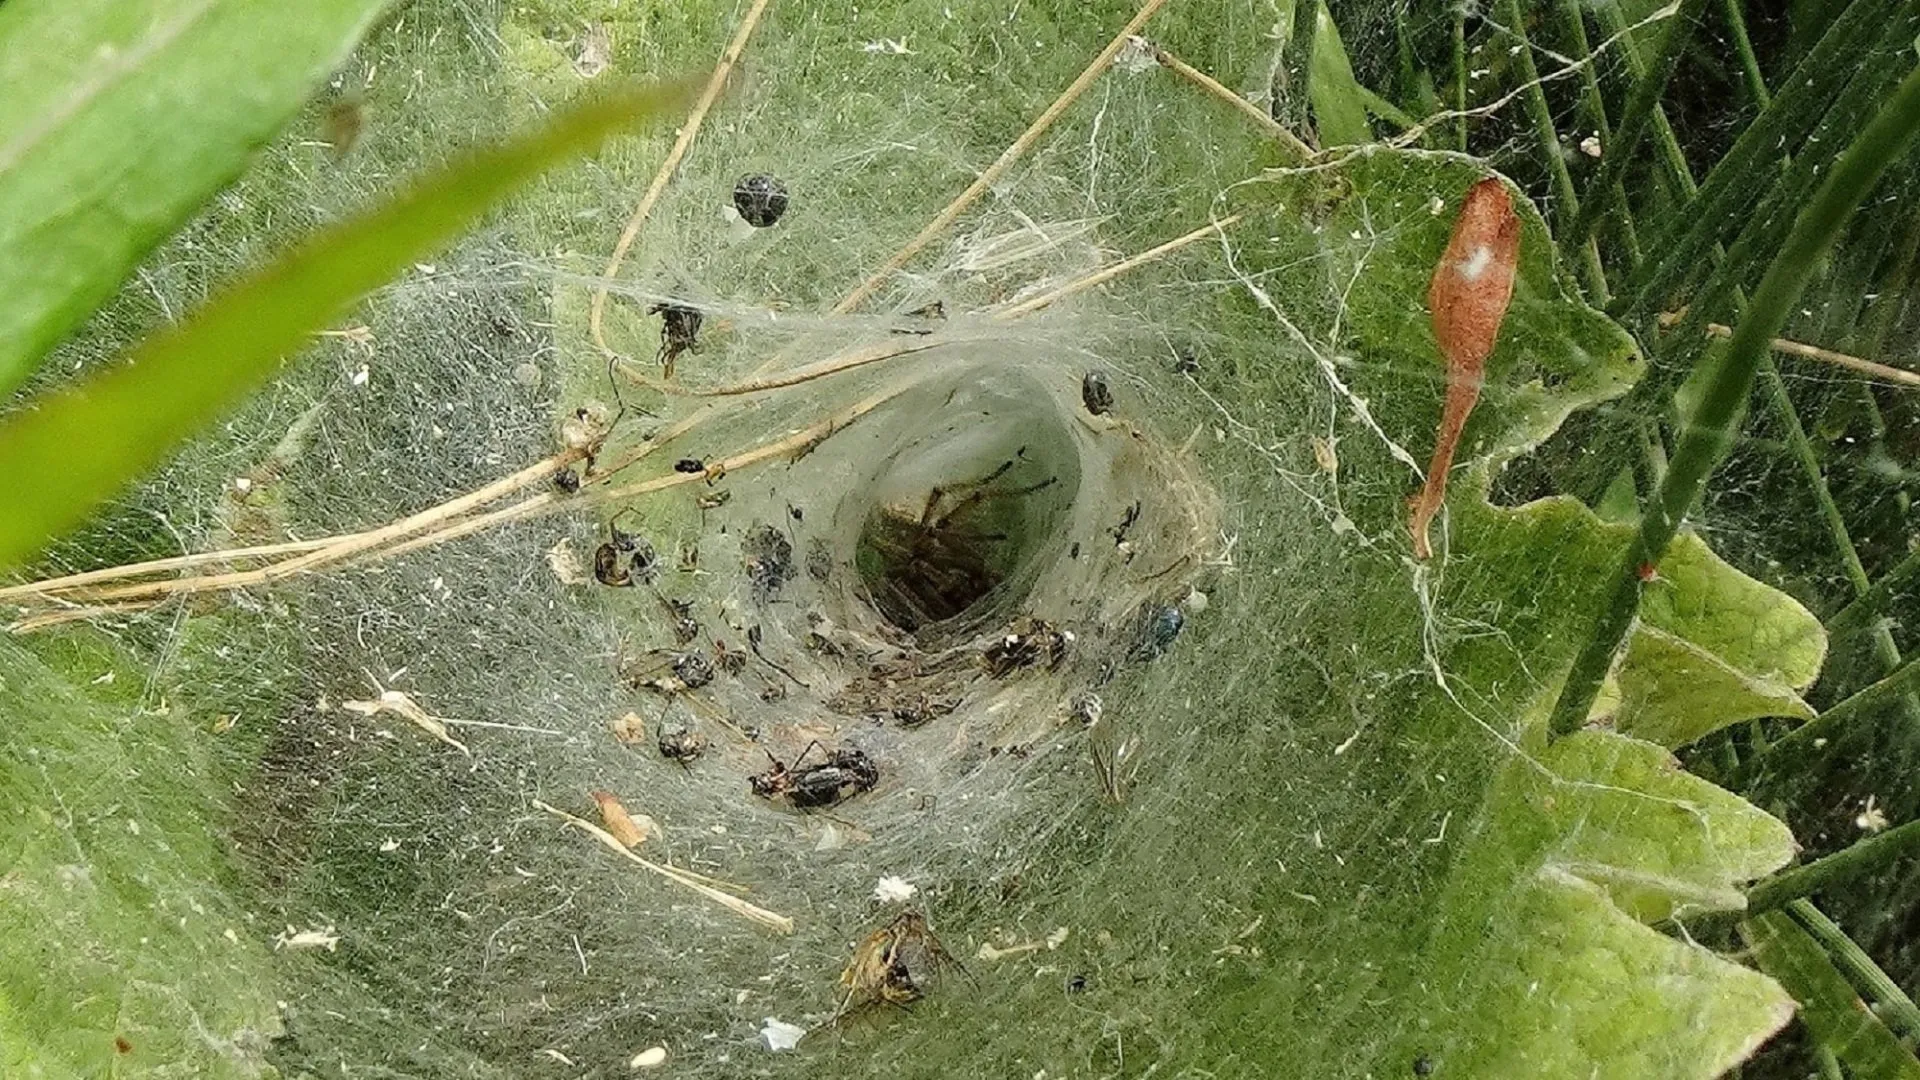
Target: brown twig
{"points": [[48, 586], [1815, 352], [1100, 277], [1001, 164], [1247, 108], [740, 907], [715, 83]]}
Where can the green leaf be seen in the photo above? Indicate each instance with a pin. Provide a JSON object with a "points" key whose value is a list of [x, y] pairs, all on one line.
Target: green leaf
{"points": [[109, 861], [72, 449], [120, 118], [1672, 691], [1828, 1005], [1339, 104]]}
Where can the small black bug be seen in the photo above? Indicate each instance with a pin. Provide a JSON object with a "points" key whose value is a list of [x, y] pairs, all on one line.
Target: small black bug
{"points": [[567, 481], [1076, 984], [1187, 363], [760, 198], [689, 465], [692, 670], [1423, 1066], [681, 744], [1095, 394]]}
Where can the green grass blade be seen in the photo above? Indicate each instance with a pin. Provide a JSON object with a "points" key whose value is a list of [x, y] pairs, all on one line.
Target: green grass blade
{"points": [[1339, 108], [121, 117], [1828, 1005], [72, 449], [1710, 430]]}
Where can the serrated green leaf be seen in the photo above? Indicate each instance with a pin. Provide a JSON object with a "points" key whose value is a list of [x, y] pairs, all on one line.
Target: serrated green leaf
{"points": [[74, 448], [1672, 691], [120, 118]]}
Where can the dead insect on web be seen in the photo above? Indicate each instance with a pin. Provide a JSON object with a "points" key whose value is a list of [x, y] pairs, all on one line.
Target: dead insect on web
{"points": [[646, 563], [692, 670], [1186, 362], [1028, 642], [681, 744], [1095, 394], [679, 332], [731, 661], [713, 500], [567, 480], [1159, 625], [846, 772], [894, 965], [769, 562], [607, 569], [689, 466], [760, 198], [924, 318]]}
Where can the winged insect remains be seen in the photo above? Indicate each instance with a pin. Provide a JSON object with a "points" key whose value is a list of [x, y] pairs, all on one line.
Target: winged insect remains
{"points": [[896, 964], [679, 332], [846, 772]]}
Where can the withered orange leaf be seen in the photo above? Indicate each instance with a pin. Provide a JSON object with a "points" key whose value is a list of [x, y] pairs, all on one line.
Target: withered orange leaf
{"points": [[1468, 299], [620, 824]]}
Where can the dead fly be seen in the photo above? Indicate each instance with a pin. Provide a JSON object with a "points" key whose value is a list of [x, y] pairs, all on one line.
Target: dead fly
{"points": [[769, 562], [681, 744], [1095, 394], [713, 500], [1156, 627], [682, 672], [1186, 362], [567, 480], [679, 332], [760, 198], [924, 319], [846, 772], [894, 965], [689, 465], [622, 546], [1027, 642], [920, 710]]}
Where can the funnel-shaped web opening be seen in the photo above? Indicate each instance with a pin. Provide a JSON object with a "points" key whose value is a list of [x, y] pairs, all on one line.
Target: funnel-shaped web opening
{"points": [[963, 514]]}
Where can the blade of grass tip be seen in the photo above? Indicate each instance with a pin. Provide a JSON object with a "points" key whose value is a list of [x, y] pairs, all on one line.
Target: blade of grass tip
{"points": [[1890, 1003], [1708, 432], [1864, 610], [1460, 74], [71, 449], [1755, 83], [1592, 276], [1339, 108], [1836, 871], [1580, 51], [1641, 101], [1888, 691]]}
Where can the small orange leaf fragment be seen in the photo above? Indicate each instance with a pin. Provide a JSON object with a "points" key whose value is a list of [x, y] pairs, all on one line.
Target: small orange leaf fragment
{"points": [[1468, 299], [621, 825]]}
